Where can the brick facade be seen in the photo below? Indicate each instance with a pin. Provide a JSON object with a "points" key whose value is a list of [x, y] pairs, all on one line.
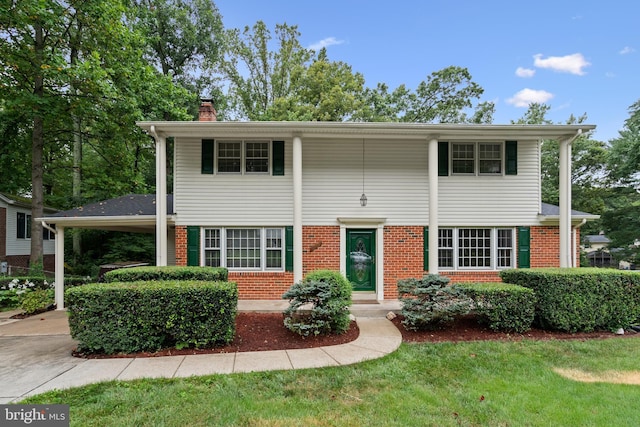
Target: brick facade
{"points": [[403, 258]]}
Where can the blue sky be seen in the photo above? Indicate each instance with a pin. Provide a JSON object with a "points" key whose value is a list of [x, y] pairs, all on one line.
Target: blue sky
{"points": [[579, 57]]}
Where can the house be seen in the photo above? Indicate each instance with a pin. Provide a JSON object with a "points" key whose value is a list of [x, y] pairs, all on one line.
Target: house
{"points": [[15, 235], [380, 202]]}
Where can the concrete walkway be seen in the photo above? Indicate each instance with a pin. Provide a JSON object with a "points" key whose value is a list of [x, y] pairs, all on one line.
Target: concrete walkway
{"points": [[36, 354]]}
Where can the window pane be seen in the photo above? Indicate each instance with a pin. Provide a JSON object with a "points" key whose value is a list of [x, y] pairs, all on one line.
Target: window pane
{"points": [[445, 248], [505, 248], [229, 156], [490, 158], [462, 158], [474, 247], [243, 248], [257, 157]]}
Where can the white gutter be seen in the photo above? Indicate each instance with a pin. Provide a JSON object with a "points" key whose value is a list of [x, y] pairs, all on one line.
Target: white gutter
{"points": [[575, 244]]}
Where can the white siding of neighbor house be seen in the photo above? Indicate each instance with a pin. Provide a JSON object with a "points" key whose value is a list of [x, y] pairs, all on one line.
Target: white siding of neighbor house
{"points": [[395, 183], [229, 199], [17, 246]]}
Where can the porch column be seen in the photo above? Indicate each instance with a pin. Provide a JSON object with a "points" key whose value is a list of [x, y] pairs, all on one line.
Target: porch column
{"points": [[59, 276], [297, 208], [161, 198], [565, 203], [433, 206]]}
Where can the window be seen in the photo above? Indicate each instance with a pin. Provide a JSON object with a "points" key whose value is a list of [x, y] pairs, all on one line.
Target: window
{"points": [[23, 228], [243, 157], [257, 157], [475, 248], [48, 234], [244, 248], [229, 157], [470, 158]]}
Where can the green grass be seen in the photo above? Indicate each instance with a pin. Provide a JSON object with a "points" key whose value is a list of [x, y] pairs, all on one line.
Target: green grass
{"points": [[464, 384]]}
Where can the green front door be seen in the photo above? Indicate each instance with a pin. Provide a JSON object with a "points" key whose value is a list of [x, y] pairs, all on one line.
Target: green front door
{"points": [[361, 259]]}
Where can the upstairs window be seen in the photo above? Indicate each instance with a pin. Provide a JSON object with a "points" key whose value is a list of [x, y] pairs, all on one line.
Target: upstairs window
{"points": [[477, 158], [256, 157], [463, 159], [490, 159], [229, 156]]}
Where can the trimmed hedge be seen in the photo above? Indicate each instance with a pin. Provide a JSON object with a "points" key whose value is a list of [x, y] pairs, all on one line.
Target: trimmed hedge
{"points": [[328, 293], [135, 274], [581, 299], [504, 307], [147, 316]]}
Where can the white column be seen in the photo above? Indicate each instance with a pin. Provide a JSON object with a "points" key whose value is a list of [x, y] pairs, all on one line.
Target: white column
{"points": [[59, 276], [433, 206], [161, 200], [297, 208], [565, 203]]}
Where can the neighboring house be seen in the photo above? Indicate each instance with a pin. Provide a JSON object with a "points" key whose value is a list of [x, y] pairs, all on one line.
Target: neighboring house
{"points": [[380, 202], [15, 235], [596, 247]]}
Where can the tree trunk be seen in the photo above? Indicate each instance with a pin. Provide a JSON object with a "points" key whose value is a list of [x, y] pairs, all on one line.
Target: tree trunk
{"points": [[37, 142], [77, 157]]}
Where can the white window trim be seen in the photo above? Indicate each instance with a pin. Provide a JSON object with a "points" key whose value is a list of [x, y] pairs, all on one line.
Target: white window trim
{"points": [[243, 156], [494, 250], [476, 158], [263, 248]]}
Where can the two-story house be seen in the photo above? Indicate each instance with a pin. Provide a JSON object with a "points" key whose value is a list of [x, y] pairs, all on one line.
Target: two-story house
{"points": [[379, 202]]}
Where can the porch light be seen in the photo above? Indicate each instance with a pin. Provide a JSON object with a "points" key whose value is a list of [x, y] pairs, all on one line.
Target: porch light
{"points": [[363, 200]]}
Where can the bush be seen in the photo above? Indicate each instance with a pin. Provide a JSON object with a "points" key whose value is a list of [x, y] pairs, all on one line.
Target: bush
{"points": [[429, 302], [328, 295], [31, 282], [38, 300], [581, 299], [135, 274], [502, 306], [147, 316]]}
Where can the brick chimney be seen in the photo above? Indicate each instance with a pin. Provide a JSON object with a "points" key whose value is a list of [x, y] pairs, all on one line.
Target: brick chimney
{"points": [[207, 113]]}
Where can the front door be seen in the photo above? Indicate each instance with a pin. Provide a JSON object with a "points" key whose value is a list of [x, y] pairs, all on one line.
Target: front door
{"points": [[361, 259]]}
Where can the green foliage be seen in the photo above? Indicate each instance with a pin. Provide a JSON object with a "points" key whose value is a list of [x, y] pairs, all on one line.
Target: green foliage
{"points": [[24, 282], [581, 300], [622, 226], [38, 300], [135, 274], [430, 301], [319, 304], [502, 306], [147, 316]]}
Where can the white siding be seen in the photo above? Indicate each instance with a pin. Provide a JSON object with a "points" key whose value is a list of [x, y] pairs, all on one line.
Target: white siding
{"points": [[395, 182], [493, 201], [17, 246], [229, 199]]}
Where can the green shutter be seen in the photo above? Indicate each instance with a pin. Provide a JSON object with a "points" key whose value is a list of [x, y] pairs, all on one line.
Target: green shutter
{"points": [[524, 247], [193, 246], [511, 157], [288, 245], [277, 148], [207, 156], [425, 248], [443, 159]]}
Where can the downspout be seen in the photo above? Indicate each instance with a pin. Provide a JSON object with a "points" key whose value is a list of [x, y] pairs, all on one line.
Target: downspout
{"points": [[59, 275], [574, 262]]}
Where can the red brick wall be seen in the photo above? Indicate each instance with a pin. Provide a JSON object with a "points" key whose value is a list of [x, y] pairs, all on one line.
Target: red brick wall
{"points": [[320, 248], [3, 233], [181, 245], [261, 285], [22, 261], [403, 249]]}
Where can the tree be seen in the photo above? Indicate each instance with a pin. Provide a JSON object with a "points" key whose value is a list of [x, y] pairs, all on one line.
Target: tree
{"points": [[624, 155]]}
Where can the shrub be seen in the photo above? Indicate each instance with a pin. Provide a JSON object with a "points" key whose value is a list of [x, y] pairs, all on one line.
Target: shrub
{"points": [[147, 316], [581, 299], [429, 302], [31, 282], [327, 295], [38, 300], [502, 306], [135, 274]]}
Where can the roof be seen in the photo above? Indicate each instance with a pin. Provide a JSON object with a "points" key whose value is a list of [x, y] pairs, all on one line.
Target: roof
{"points": [[549, 210], [133, 212], [597, 238], [21, 202], [373, 130]]}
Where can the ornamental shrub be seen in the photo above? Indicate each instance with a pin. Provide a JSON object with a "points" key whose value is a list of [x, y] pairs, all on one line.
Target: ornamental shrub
{"points": [[319, 304], [147, 316], [430, 301], [581, 299], [135, 274], [38, 300], [504, 307]]}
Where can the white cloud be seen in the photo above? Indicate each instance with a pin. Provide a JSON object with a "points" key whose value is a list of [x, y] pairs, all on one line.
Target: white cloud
{"points": [[609, 74], [627, 50], [573, 64], [529, 96], [329, 41], [525, 72]]}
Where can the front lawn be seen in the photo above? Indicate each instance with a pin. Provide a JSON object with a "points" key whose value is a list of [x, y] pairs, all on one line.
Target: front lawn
{"points": [[468, 384]]}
